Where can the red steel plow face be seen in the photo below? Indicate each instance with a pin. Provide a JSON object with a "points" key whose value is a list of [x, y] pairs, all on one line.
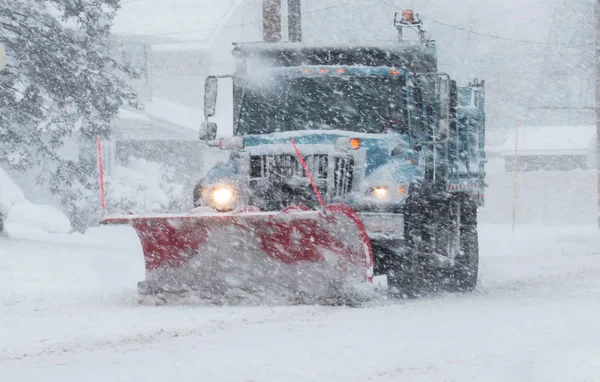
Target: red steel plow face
{"points": [[294, 248]]}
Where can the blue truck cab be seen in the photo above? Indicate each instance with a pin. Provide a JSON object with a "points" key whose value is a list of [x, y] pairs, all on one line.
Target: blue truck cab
{"points": [[379, 129]]}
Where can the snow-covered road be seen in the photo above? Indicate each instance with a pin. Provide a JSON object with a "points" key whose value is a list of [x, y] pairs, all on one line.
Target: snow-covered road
{"points": [[68, 313]]}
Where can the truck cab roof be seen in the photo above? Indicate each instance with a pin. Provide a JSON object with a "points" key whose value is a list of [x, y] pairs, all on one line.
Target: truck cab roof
{"points": [[407, 55]]}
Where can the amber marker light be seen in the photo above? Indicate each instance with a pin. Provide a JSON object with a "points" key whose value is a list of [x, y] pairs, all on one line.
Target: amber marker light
{"points": [[355, 143]]}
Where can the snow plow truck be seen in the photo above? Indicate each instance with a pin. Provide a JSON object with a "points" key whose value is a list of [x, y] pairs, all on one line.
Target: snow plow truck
{"points": [[346, 162]]}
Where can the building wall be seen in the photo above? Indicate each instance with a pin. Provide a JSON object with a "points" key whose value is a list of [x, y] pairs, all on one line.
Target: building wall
{"points": [[180, 67], [178, 75], [540, 163]]}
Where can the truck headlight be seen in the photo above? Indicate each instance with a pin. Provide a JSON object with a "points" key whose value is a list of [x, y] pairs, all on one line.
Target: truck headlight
{"points": [[381, 192], [388, 193], [222, 198]]}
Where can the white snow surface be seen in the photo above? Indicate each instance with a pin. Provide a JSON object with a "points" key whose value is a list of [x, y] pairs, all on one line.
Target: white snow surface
{"points": [[69, 313], [22, 217], [174, 113]]}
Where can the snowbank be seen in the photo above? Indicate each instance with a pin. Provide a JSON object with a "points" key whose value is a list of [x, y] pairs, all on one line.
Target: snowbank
{"points": [[23, 218], [144, 186], [10, 193]]}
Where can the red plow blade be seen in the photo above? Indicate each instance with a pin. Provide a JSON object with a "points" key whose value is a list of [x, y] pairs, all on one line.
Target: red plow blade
{"points": [[264, 254]]}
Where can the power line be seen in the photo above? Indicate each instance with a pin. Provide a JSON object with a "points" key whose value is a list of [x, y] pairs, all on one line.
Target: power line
{"points": [[531, 21], [508, 13], [232, 26], [488, 35], [457, 27]]}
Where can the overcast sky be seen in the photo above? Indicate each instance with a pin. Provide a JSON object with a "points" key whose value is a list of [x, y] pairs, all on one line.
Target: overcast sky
{"points": [[520, 47]]}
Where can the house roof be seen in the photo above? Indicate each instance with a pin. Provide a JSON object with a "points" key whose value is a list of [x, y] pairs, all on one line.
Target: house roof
{"points": [[174, 113], [197, 20], [160, 119], [551, 140]]}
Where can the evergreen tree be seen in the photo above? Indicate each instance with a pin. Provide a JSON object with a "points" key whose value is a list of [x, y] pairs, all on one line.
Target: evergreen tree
{"points": [[60, 84]]}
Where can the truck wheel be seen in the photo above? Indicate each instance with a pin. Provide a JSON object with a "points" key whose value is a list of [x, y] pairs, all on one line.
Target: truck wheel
{"points": [[405, 276], [464, 275], [402, 280]]}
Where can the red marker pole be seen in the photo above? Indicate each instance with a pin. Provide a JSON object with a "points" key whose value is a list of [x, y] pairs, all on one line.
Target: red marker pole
{"points": [[308, 173], [101, 173]]}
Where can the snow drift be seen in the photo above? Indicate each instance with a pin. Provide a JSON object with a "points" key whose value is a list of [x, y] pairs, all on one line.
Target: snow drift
{"points": [[22, 217], [144, 186]]}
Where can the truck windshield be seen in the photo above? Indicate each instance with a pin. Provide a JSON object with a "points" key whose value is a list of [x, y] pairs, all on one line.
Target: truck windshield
{"points": [[359, 104]]}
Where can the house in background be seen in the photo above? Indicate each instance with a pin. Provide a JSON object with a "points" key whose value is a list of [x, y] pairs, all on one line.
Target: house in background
{"points": [[176, 44], [188, 40], [550, 148]]}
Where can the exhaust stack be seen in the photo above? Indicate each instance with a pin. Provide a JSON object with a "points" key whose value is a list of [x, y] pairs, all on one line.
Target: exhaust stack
{"points": [[272, 20], [295, 20]]}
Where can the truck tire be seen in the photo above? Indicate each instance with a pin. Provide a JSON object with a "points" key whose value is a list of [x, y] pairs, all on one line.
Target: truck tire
{"points": [[463, 277], [404, 276], [401, 279]]}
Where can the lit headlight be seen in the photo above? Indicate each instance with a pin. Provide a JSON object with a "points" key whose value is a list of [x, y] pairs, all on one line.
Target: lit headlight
{"points": [[391, 193], [222, 198], [380, 192]]}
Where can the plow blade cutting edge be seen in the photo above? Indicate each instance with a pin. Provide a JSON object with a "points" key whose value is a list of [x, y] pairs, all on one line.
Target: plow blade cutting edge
{"points": [[251, 254]]}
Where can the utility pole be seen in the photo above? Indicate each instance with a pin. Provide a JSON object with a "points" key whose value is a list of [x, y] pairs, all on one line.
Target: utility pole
{"points": [[2, 56], [295, 20], [272, 20], [597, 68]]}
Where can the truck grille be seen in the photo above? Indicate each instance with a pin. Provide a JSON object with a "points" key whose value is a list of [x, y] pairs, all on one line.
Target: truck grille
{"points": [[286, 166], [343, 176], [317, 164]]}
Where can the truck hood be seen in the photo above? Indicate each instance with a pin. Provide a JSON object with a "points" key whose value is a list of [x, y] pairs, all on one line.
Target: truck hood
{"points": [[377, 146]]}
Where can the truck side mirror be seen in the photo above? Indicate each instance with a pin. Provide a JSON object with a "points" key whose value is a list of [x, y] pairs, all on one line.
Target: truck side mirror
{"points": [[208, 131], [211, 90]]}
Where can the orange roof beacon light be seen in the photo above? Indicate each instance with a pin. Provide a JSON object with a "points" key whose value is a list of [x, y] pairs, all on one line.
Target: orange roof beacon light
{"points": [[355, 143], [408, 16], [394, 72], [323, 70], [341, 70], [410, 20]]}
